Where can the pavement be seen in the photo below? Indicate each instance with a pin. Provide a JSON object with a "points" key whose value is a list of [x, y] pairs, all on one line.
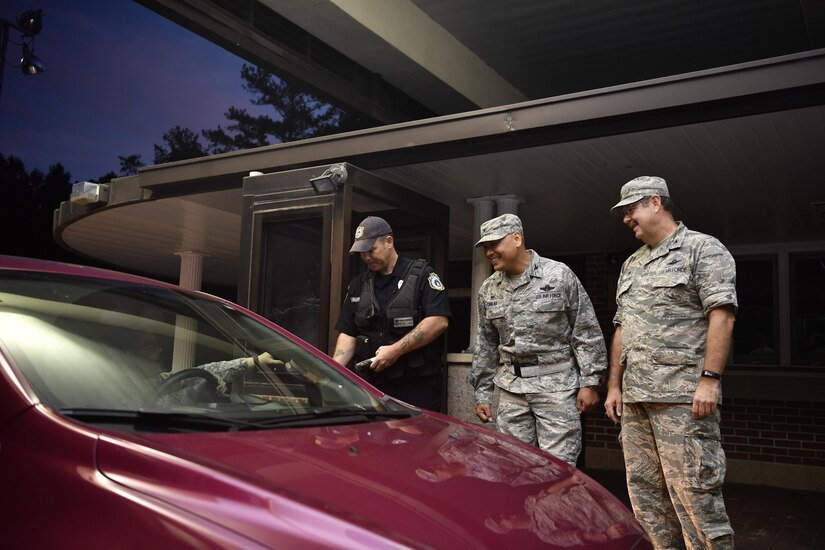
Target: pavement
{"points": [[764, 518]]}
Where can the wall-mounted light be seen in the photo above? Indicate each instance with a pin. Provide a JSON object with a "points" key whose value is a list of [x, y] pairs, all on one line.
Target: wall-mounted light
{"points": [[89, 192], [330, 181]]}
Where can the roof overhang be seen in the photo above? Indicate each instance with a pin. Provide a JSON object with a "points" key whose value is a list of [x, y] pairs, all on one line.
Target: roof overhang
{"points": [[724, 138]]}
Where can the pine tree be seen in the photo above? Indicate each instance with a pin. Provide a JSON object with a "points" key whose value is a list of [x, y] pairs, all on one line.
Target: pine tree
{"points": [[297, 115]]}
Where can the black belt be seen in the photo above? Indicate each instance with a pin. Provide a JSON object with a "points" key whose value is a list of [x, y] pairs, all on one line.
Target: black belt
{"points": [[528, 361], [527, 369]]}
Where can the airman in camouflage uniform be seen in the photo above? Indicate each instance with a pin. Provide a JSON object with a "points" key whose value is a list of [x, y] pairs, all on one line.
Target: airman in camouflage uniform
{"points": [[676, 301], [538, 341]]}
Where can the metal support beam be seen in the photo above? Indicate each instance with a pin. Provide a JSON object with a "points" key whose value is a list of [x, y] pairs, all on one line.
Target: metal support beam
{"points": [[406, 28]]}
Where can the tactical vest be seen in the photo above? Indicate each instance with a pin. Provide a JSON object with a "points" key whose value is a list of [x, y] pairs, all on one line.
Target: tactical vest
{"points": [[381, 328]]}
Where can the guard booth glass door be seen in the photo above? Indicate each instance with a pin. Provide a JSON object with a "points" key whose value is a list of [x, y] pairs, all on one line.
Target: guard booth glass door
{"points": [[292, 297], [297, 229]]}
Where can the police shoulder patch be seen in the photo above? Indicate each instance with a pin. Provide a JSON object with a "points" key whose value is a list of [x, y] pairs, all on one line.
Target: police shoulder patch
{"points": [[435, 282]]}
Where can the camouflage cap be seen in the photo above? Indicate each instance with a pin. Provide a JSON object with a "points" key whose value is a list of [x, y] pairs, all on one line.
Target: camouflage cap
{"points": [[367, 231], [498, 228], [639, 188]]}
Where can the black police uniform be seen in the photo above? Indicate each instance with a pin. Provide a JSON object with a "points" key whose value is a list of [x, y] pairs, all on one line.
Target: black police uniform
{"points": [[417, 376]]}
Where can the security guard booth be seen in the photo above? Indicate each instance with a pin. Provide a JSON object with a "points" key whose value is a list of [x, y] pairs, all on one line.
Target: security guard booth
{"points": [[296, 230]]}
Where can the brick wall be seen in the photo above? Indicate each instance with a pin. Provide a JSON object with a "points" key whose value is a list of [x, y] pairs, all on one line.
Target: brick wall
{"points": [[600, 283], [787, 432], [782, 432], [595, 280], [599, 431]]}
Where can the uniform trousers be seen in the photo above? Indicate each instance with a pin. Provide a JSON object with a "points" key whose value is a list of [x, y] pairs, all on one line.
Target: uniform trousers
{"points": [[424, 392], [675, 471], [549, 420]]}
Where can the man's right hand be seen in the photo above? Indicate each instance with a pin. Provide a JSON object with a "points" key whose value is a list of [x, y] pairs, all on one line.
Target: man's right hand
{"points": [[613, 405], [265, 360], [484, 411], [268, 361]]}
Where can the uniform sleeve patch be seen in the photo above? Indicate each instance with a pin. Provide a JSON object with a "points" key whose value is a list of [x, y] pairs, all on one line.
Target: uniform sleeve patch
{"points": [[435, 282]]}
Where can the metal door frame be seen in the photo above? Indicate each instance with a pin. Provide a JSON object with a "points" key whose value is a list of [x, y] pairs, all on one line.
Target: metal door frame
{"points": [[272, 196]]}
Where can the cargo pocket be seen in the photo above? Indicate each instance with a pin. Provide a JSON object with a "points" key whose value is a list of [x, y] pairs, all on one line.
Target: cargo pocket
{"points": [[675, 357], [672, 297], [548, 315], [704, 460], [624, 288], [622, 299], [675, 369], [496, 317]]}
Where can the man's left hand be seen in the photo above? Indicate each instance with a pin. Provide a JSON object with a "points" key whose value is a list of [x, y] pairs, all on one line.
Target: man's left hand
{"points": [[705, 397], [587, 399], [385, 357]]}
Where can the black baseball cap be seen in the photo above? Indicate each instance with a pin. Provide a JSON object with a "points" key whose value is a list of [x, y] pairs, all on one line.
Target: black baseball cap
{"points": [[367, 231]]}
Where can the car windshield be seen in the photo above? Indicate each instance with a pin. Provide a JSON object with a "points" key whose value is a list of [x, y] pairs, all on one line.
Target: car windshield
{"points": [[136, 356]]}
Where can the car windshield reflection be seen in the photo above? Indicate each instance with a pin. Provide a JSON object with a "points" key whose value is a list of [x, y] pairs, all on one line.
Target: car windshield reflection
{"points": [[147, 358]]}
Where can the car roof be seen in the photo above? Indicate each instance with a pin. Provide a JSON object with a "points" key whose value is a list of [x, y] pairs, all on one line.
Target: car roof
{"points": [[18, 263]]}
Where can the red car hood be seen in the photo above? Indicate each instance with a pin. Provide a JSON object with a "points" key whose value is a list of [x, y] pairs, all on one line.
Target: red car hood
{"points": [[425, 482]]}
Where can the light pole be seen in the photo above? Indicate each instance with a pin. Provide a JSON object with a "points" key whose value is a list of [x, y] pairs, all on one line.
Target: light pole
{"points": [[29, 23]]}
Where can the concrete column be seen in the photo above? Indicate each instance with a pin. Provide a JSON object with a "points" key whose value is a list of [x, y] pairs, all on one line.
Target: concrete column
{"points": [[508, 204], [191, 275], [191, 269], [483, 208]]}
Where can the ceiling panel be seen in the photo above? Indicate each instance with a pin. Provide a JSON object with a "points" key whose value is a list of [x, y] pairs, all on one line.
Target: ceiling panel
{"points": [[549, 48], [145, 236], [723, 176]]}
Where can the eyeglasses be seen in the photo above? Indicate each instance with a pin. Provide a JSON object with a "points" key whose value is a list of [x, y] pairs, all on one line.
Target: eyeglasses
{"points": [[628, 209]]}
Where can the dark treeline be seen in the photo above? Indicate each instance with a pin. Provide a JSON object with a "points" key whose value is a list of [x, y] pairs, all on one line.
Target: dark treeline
{"points": [[27, 203], [29, 198]]}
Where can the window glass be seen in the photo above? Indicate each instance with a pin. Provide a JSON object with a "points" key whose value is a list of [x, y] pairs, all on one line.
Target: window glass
{"points": [[808, 309], [292, 275], [756, 336], [105, 351]]}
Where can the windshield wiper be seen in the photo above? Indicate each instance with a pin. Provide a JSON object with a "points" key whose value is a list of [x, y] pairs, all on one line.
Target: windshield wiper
{"points": [[182, 421], [156, 420], [340, 415]]}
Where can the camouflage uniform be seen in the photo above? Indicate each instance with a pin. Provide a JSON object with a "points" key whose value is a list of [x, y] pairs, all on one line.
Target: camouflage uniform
{"points": [[675, 463], [539, 342], [567, 514], [225, 372]]}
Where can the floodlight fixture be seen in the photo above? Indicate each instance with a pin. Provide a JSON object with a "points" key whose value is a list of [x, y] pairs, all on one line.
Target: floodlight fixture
{"points": [[30, 64], [89, 192], [29, 23], [330, 181]]}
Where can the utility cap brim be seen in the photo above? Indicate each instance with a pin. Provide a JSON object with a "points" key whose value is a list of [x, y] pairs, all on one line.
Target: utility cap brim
{"points": [[367, 232], [639, 188], [498, 228]]}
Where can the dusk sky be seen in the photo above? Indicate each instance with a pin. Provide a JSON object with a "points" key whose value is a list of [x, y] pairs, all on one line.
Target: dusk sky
{"points": [[117, 77]]}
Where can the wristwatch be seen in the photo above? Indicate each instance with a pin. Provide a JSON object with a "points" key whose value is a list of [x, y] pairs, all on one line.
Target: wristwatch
{"points": [[711, 374]]}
